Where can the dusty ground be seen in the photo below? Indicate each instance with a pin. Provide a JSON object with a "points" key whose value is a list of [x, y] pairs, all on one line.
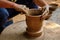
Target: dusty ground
{"points": [[56, 16], [18, 17]]}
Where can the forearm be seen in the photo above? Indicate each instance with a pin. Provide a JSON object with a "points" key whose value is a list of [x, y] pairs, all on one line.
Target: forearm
{"points": [[17, 7], [7, 4], [40, 2]]}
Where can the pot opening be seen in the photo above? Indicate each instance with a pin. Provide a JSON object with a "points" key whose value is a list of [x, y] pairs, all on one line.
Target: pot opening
{"points": [[53, 7], [35, 12]]}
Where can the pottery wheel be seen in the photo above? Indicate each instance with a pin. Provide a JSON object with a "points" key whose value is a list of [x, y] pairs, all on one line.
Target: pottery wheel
{"points": [[15, 31]]}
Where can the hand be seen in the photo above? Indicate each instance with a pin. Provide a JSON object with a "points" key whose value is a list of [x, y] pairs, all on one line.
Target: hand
{"points": [[21, 8], [45, 11]]}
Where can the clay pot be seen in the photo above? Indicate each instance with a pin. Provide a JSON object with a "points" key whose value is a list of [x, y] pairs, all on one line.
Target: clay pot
{"points": [[32, 35], [53, 6], [34, 21]]}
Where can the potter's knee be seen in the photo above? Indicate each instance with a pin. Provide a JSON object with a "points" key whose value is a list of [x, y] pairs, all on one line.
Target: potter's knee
{"points": [[3, 12]]}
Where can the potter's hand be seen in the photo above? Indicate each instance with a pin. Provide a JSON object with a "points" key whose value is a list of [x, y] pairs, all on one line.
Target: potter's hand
{"points": [[45, 10], [21, 8]]}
